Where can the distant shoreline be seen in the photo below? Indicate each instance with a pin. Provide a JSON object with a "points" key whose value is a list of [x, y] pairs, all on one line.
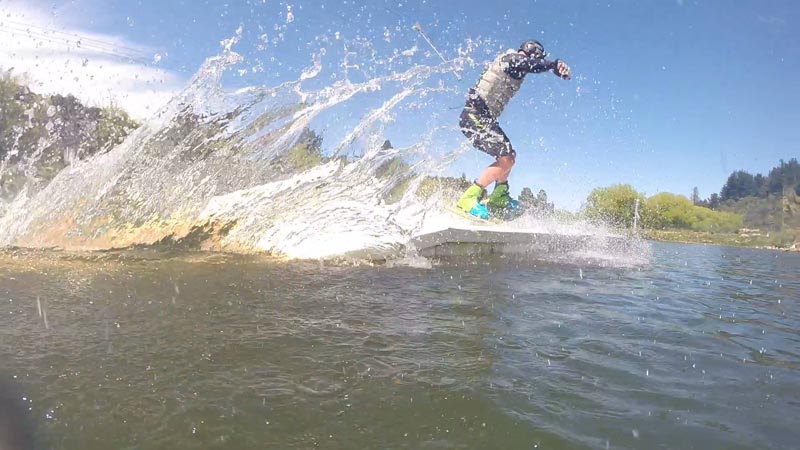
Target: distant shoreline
{"points": [[724, 239]]}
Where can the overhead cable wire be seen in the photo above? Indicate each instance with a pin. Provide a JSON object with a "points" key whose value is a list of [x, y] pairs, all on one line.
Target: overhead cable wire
{"points": [[82, 38]]}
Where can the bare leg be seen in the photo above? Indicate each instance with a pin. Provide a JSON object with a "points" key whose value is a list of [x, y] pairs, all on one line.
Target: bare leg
{"points": [[498, 171]]}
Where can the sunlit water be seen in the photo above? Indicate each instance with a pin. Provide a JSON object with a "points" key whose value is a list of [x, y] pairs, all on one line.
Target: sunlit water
{"points": [[698, 349]]}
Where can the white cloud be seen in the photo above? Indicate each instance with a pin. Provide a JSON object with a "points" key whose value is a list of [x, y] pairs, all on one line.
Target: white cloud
{"points": [[98, 69]]}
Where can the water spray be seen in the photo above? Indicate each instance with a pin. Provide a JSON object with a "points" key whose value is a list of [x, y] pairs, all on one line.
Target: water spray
{"points": [[418, 28]]}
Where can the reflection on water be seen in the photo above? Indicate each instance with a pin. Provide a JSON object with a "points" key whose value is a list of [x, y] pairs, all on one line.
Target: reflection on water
{"points": [[156, 350]]}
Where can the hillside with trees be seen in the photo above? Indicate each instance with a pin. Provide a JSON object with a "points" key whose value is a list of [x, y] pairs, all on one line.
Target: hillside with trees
{"points": [[757, 209], [769, 203], [42, 134]]}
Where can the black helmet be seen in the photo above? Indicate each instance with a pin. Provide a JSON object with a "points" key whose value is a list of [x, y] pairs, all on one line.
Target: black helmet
{"points": [[533, 48]]}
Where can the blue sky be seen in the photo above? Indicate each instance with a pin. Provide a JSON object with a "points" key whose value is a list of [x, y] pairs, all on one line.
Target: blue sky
{"points": [[667, 95]]}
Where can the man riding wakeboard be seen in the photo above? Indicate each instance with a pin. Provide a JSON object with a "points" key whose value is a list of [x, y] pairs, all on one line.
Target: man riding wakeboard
{"points": [[485, 102]]}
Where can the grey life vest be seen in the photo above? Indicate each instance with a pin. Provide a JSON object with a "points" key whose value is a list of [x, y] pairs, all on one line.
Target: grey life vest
{"points": [[496, 87]]}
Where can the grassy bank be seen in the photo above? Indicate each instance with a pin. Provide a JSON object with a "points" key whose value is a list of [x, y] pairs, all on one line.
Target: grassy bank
{"points": [[781, 240]]}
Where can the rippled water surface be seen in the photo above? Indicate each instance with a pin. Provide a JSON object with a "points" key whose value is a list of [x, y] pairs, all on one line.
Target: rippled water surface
{"points": [[698, 349]]}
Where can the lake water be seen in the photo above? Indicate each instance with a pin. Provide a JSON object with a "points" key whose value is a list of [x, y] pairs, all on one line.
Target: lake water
{"points": [[699, 348]]}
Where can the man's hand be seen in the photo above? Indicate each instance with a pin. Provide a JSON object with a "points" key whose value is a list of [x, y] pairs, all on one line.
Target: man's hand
{"points": [[562, 70]]}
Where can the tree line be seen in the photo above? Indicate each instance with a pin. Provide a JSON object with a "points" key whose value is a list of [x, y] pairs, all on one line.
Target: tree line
{"points": [[769, 203], [781, 180], [623, 206]]}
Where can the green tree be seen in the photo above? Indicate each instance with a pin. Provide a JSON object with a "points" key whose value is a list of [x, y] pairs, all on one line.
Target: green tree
{"points": [[696, 196], [526, 198], [784, 177], [740, 184], [670, 211], [713, 201], [305, 154], [613, 204], [703, 219], [666, 210], [541, 196], [761, 185]]}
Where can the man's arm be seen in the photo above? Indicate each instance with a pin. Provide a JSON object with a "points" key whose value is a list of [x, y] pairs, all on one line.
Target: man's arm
{"points": [[519, 65]]}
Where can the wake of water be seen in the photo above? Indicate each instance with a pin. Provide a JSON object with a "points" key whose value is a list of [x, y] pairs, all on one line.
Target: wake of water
{"points": [[244, 171]]}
